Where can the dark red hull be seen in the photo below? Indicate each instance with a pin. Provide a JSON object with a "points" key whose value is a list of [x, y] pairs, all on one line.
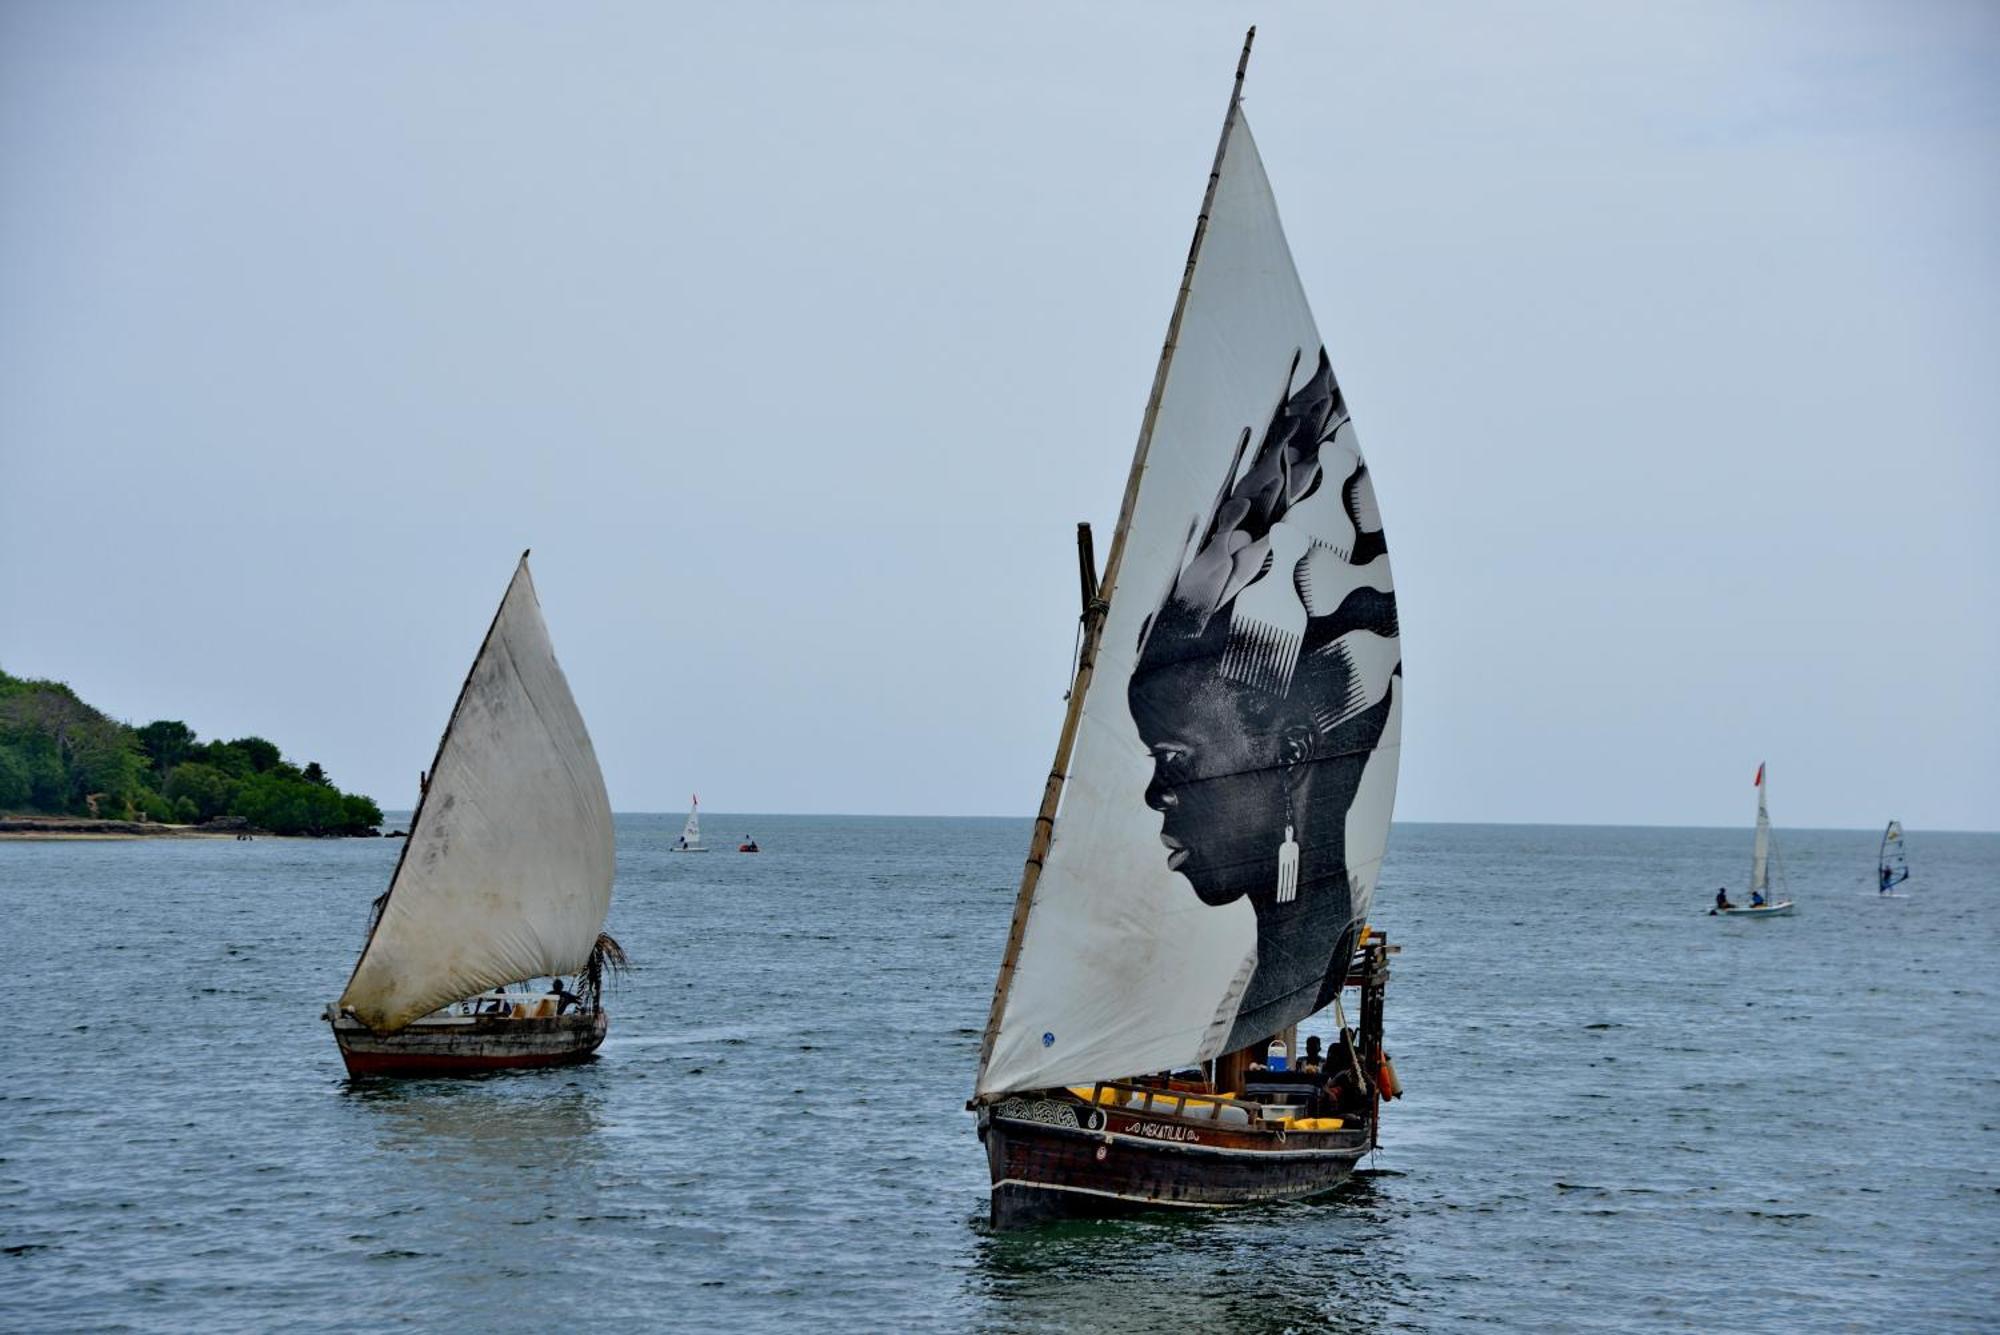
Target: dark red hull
{"points": [[1054, 1158], [472, 1047]]}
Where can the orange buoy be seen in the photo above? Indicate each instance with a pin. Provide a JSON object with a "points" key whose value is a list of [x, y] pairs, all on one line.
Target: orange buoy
{"points": [[1386, 1081]]}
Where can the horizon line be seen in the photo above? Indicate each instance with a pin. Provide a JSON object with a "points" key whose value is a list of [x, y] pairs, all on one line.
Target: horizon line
{"points": [[1505, 824]]}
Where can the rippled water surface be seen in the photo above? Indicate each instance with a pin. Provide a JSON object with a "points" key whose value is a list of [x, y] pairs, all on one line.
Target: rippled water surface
{"points": [[1620, 1112]]}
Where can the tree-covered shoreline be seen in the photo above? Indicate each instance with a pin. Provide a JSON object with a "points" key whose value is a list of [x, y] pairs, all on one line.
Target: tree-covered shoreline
{"points": [[61, 757]]}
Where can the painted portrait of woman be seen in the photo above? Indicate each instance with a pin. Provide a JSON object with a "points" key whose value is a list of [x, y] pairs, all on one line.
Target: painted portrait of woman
{"points": [[1264, 683]]}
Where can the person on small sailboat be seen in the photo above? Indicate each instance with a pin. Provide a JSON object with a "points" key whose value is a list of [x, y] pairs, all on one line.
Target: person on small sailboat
{"points": [[1722, 898]]}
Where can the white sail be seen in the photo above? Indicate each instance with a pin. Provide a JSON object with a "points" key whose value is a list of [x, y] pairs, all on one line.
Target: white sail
{"points": [[1228, 799], [507, 871], [691, 832], [1760, 853]]}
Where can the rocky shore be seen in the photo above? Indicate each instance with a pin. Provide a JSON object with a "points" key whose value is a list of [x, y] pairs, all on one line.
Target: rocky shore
{"points": [[87, 827]]}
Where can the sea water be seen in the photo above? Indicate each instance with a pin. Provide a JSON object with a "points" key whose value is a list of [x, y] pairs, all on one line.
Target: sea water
{"points": [[1621, 1112]]}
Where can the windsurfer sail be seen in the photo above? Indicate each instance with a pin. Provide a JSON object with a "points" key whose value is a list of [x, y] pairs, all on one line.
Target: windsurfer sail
{"points": [[1891, 868]]}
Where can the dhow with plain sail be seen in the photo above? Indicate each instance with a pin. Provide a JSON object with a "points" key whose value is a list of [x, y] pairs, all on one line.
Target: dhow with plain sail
{"points": [[505, 879], [1209, 840]]}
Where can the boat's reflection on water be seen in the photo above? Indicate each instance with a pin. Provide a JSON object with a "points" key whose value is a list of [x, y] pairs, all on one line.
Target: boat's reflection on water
{"points": [[1330, 1264], [498, 1140]]}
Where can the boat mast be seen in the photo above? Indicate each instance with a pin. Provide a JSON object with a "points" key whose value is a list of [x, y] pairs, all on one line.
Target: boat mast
{"points": [[424, 790], [1096, 608]]}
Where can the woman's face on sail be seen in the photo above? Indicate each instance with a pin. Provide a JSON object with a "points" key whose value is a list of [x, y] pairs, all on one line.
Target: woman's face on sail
{"points": [[1218, 778]]}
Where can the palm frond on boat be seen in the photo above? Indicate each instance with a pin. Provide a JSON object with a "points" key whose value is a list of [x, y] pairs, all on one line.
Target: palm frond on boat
{"points": [[607, 957]]}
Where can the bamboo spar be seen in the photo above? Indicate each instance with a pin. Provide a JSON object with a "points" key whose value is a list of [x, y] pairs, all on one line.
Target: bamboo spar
{"points": [[1096, 610]]}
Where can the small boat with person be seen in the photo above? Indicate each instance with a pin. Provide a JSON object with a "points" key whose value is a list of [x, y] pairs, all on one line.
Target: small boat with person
{"points": [[1763, 857], [749, 845], [505, 878], [1210, 836], [690, 838]]}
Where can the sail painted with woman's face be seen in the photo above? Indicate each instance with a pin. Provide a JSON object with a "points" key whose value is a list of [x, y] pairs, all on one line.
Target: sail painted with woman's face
{"points": [[1229, 795], [507, 872]]}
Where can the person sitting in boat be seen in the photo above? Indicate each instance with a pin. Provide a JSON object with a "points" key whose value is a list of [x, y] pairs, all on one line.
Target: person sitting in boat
{"points": [[494, 1003], [565, 999], [1756, 899], [1722, 898], [1312, 1060]]}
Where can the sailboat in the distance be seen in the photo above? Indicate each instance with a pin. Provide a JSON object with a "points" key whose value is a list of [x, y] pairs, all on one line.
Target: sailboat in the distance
{"points": [[1763, 854], [505, 878], [690, 840], [1202, 867]]}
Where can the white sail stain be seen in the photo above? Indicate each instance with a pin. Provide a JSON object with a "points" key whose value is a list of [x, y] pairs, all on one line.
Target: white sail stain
{"points": [[507, 873], [1121, 967]]}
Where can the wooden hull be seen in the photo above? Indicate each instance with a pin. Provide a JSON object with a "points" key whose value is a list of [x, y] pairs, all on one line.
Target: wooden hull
{"points": [[1053, 1158], [469, 1046]]}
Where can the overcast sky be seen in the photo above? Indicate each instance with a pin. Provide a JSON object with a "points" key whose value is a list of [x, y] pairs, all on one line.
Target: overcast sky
{"points": [[796, 338]]}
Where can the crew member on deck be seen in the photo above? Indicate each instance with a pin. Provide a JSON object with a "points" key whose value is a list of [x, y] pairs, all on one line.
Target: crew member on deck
{"points": [[1722, 898], [1312, 1060], [565, 999], [1756, 899]]}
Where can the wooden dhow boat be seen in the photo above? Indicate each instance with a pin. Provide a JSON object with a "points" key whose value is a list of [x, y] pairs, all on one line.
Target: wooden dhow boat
{"points": [[1213, 826], [505, 877]]}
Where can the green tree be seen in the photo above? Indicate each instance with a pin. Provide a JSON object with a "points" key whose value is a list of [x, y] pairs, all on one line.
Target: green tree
{"points": [[15, 777], [263, 755], [207, 790], [362, 813], [166, 743]]}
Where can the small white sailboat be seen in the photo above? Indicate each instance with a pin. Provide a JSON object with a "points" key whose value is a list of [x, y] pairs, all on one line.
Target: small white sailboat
{"points": [[1762, 854], [1891, 867], [690, 840], [505, 878]]}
